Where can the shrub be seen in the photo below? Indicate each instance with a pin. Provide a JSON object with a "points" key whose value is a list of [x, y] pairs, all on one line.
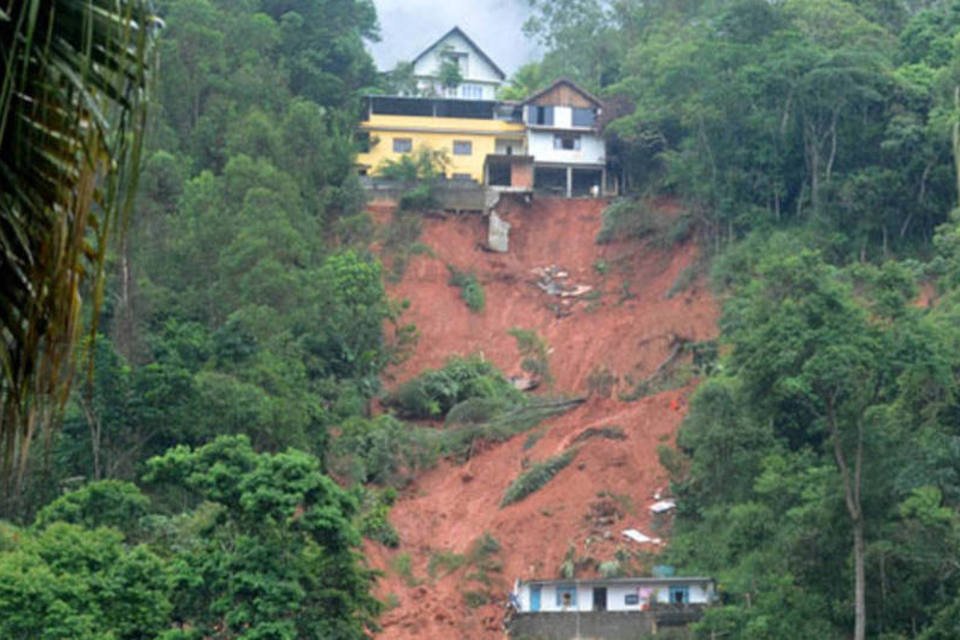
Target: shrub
{"points": [[536, 476], [470, 288], [374, 519], [434, 392], [627, 219], [383, 450], [610, 569], [535, 353], [419, 198]]}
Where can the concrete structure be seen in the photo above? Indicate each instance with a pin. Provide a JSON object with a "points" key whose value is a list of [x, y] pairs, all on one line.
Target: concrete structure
{"points": [[481, 76], [611, 594], [605, 625], [564, 138]]}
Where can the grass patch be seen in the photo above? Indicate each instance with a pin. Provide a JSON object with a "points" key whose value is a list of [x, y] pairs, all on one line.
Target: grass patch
{"points": [[447, 561], [482, 557], [536, 477], [391, 602], [402, 565], [623, 500], [474, 599], [470, 288]]}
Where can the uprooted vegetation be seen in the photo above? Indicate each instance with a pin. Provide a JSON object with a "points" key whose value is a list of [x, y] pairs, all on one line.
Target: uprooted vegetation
{"points": [[536, 477], [480, 406]]}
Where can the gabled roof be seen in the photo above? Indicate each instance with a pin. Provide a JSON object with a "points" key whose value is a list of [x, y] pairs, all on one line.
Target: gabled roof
{"points": [[570, 83], [459, 31]]}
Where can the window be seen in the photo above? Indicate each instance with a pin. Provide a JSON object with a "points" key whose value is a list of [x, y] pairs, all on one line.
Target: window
{"points": [[566, 596], [631, 599], [402, 145], [584, 117], [462, 148], [471, 91], [542, 115], [461, 59], [566, 143], [462, 176], [680, 595]]}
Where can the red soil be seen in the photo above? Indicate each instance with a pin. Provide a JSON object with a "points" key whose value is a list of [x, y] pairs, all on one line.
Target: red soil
{"points": [[629, 330]]}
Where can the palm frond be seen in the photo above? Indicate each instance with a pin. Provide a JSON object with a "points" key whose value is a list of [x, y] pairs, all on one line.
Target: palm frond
{"points": [[72, 110]]}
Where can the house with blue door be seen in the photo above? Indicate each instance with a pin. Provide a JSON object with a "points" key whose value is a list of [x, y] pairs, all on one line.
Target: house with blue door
{"points": [[611, 594], [606, 608]]}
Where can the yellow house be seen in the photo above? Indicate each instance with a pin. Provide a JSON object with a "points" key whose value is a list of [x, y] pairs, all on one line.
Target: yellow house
{"points": [[467, 131]]}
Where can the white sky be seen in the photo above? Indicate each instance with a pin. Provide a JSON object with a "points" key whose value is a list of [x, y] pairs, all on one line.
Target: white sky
{"points": [[407, 27]]}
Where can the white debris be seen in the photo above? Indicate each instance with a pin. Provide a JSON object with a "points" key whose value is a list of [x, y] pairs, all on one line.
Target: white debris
{"points": [[640, 538], [663, 506]]}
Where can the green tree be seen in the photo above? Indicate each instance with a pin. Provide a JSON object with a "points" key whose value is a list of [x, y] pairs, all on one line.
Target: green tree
{"points": [[65, 581], [525, 81], [271, 552]]}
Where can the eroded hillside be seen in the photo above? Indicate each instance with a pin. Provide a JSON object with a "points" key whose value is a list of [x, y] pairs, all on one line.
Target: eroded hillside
{"points": [[623, 325]]}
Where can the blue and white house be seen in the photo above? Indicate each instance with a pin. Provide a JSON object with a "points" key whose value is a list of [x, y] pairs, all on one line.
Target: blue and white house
{"points": [[611, 594]]}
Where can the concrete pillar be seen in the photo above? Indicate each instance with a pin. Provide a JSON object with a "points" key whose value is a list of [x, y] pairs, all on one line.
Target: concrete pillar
{"points": [[569, 182]]}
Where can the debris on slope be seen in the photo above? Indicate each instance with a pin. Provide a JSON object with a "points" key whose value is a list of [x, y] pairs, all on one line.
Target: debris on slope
{"points": [[625, 325]]}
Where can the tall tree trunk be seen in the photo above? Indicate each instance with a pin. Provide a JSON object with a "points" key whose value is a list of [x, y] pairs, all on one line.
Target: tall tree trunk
{"points": [[860, 596], [851, 492]]}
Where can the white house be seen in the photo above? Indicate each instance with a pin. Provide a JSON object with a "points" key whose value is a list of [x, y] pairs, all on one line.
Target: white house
{"points": [[611, 594], [563, 136], [481, 76]]}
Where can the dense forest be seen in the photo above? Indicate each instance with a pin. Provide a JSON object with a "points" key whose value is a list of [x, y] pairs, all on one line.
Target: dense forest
{"points": [[815, 148]]}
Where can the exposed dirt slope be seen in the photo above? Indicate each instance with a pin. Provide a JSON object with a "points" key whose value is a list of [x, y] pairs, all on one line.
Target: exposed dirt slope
{"points": [[629, 328]]}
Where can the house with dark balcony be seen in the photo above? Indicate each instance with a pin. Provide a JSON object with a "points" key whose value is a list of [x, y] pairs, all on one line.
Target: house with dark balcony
{"points": [[606, 608]]}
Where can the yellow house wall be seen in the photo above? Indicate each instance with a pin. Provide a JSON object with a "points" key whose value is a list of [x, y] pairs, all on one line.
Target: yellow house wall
{"points": [[437, 134]]}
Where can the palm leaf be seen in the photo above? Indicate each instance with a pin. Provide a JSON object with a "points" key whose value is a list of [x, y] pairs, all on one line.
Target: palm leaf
{"points": [[72, 110]]}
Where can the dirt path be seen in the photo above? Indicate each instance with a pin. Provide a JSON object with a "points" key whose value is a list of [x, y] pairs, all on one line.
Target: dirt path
{"points": [[625, 324]]}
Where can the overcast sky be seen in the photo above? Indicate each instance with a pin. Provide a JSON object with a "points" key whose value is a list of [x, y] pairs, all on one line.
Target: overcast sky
{"points": [[407, 27]]}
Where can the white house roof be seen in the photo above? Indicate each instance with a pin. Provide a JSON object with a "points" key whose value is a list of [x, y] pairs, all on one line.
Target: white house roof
{"points": [[478, 50]]}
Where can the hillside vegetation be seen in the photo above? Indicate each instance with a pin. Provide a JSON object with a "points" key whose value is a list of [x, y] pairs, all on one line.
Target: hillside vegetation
{"points": [[245, 418]]}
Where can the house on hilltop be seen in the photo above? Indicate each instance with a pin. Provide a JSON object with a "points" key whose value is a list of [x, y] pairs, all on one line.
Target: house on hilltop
{"points": [[570, 155], [550, 143], [480, 76]]}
